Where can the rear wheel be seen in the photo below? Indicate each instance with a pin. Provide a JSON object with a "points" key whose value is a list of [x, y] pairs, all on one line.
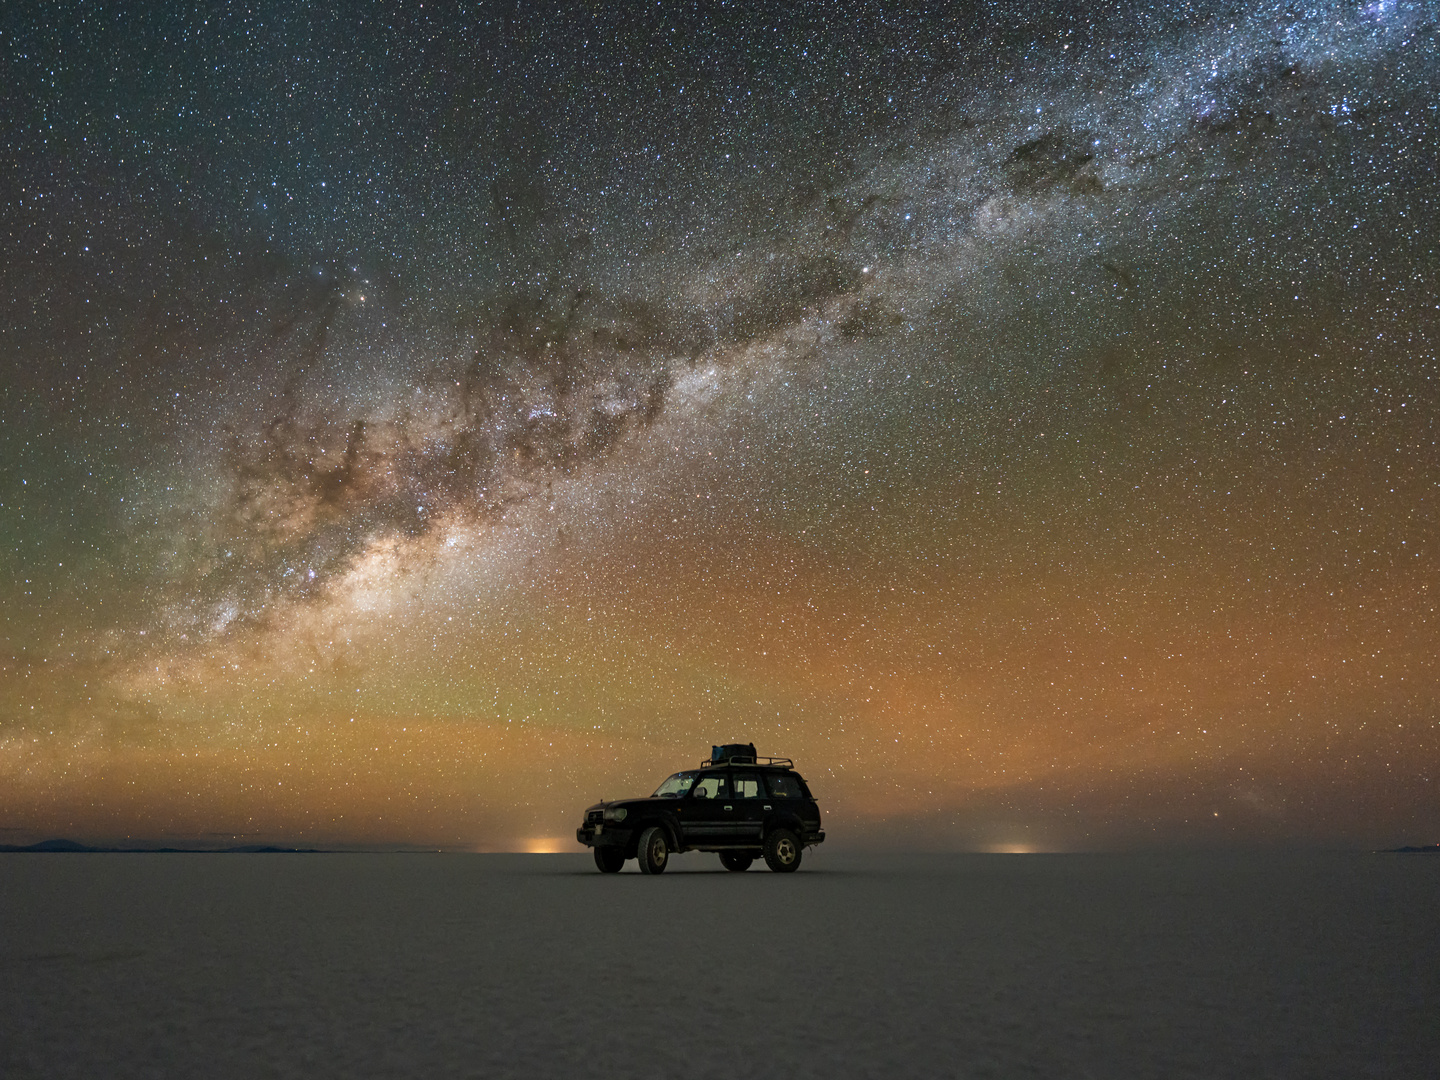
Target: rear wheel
{"points": [[609, 859], [782, 851], [654, 851], [736, 860]]}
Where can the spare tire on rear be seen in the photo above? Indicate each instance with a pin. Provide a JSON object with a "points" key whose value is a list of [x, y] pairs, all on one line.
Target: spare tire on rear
{"points": [[736, 860]]}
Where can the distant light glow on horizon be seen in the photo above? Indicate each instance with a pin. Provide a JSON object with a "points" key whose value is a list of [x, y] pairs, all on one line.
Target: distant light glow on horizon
{"points": [[551, 845]]}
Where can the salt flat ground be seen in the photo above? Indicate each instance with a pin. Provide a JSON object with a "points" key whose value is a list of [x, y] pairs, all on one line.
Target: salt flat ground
{"points": [[1297, 965]]}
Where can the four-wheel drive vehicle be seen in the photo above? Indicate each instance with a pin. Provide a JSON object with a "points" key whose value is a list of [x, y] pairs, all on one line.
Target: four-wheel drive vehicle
{"points": [[736, 803]]}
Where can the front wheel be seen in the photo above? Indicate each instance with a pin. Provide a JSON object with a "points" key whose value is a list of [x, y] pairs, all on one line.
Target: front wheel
{"points": [[609, 859], [654, 851], [782, 851], [736, 860]]}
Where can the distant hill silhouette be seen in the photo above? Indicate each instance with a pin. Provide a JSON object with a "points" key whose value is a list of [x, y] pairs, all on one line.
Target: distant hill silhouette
{"points": [[49, 845], [1428, 849], [63, 846]]}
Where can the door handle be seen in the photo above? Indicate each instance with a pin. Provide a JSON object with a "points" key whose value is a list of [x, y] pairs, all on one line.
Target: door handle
{"points": [[767, 808], [729, 808]]}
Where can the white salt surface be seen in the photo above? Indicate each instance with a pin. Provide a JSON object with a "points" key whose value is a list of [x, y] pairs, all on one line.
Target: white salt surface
{"points": [[537, 966]]}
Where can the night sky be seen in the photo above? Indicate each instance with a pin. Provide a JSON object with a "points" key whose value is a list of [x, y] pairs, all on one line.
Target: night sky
{"points": [[422, 420]]}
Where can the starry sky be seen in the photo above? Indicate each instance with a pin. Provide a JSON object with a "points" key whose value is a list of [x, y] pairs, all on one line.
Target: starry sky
{"points": [[422, 420]]}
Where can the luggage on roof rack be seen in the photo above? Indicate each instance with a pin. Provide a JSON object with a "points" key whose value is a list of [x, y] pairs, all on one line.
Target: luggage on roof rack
{"points": [[736, 752]]}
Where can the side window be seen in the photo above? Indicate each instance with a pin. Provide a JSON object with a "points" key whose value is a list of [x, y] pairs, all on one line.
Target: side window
{"points": [[784, 786], [710, 787], [747, 786]]}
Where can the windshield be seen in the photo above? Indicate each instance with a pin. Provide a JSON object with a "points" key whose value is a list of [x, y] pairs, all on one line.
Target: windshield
{"points": [[675, 786]]}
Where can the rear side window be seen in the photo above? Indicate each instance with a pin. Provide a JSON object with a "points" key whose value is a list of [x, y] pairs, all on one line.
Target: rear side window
{"points": [[747, 786], [784, 786]]}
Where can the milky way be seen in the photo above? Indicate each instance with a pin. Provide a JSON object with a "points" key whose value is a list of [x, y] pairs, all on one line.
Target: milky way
{"points": [[417, 426]]}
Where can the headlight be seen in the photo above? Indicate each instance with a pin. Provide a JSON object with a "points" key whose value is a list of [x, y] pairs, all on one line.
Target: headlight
{"points": [[616, 815]]}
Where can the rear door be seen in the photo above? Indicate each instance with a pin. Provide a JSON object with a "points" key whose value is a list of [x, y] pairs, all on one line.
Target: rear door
{"points": [[751, 804]]}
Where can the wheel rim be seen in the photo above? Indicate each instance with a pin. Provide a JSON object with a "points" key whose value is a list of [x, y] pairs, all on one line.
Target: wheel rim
{"points": [[658, 854], [785, 850]]}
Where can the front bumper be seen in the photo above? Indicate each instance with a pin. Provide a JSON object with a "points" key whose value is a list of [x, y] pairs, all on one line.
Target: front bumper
{"points": [[603, 834]]}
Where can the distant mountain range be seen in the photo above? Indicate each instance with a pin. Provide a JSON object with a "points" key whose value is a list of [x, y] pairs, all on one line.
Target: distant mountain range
{"points": [[1428, 849], [72, 846]]}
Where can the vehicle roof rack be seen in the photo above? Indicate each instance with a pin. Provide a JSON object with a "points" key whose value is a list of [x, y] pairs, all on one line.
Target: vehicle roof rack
{"points": [[778, 762]]}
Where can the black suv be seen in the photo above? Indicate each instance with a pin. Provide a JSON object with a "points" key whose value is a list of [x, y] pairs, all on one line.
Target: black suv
{"points": [[736, 803]]}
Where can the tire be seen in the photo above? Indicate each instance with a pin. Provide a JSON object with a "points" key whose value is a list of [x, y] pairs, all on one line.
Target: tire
{"points": [[654, 850], [782, 851], [609, 860], [736, 860]]}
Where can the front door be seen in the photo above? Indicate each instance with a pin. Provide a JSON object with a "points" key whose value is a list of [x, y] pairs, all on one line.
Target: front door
{"points": [[708, 812]]}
